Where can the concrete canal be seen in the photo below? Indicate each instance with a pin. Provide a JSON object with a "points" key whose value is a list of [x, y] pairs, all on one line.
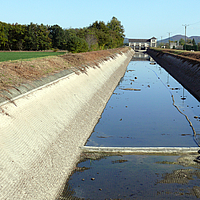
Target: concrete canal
{"points": [[141, 111], [148, 108]]}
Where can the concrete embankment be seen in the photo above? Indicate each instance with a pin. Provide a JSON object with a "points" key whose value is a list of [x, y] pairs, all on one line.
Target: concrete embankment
{"points": [[186, 71], [41, 132]]}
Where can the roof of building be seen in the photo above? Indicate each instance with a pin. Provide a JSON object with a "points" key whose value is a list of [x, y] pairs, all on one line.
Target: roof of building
{"points": [[140, 40]]}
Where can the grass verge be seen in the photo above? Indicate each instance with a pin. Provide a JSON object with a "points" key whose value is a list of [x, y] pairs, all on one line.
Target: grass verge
{"points": [[6, 56]]}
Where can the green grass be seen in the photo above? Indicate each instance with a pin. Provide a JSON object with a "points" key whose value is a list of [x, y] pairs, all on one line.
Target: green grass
{"points": [[6, 56]]}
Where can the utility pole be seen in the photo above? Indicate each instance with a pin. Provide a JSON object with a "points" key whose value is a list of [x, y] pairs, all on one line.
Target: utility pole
{"points": [[169, 39], [185, 33]]}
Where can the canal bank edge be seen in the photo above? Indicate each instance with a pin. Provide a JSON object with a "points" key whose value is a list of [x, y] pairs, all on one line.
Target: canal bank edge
{"points": [[41, 133], [186, 71]]}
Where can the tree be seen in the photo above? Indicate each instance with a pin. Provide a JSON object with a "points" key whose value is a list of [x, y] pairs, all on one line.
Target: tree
{"points": [[181, 41], [31, 40], [57, 36], [189, 41], [198, 46], [44, 42], [115, 25], [3, 36], [16, 34], [193, 42], [77, 45], [40, 37], [91, 39], [99, 26]]}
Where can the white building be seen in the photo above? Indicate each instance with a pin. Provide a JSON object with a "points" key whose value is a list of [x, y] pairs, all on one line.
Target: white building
{"points": [[142, 44]]}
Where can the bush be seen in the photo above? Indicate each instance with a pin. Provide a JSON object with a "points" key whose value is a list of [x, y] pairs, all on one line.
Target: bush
{"points": [[77, 45]]}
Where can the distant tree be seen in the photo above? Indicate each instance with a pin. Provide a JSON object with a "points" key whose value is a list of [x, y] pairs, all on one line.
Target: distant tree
{"points": [[77, 45], [160, 44], [116, 26], [31, 40], [193, 42], [57, 35], [181, 41], [44, 42], [3, 35], [99, 26], [91, 39], [40, 37], [118, 30], [69, 33], [198, 46], [16, 34], [189, 41]]}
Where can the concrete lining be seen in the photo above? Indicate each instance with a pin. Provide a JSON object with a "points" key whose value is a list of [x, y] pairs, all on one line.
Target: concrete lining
{"points": [[186, 71], [42, 132], [146, 150]]}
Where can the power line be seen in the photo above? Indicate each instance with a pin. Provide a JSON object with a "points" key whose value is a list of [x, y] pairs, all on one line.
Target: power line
{"points": [[194, 23]]}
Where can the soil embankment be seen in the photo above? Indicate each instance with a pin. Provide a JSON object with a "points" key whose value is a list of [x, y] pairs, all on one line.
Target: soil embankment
{"points": [[42, 131], [21, 76], [185, 68]]}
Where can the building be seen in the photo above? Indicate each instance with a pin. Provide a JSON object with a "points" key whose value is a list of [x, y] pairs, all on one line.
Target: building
{"points": [[142, 44], [175, 45]]}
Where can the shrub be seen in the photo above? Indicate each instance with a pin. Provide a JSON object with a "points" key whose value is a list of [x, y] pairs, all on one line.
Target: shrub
{"points": [[77, 45]]}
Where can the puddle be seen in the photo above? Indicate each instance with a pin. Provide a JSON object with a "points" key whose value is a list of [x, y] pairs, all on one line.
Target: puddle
{"points": [[141, 113], [133, 177]]}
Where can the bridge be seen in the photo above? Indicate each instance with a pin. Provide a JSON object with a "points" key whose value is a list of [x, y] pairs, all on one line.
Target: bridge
{"points": [[142, 44]]}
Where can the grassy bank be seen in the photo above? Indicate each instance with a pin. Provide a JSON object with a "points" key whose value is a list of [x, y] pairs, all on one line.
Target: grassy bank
{"points": [[27, 67], [6, 56], [194, 55]]}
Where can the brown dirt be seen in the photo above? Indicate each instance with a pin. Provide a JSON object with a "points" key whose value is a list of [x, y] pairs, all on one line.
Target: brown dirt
{"points": [[14, 73], [184, 54]]}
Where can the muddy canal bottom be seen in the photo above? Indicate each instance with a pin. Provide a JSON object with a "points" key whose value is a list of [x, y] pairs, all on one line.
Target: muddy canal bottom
{"points": [[134, 177], [140, 113]]}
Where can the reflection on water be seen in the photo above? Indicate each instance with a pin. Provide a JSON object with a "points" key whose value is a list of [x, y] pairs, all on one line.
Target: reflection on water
{"points": [[140, 57], [134, 177], [141, 113]]}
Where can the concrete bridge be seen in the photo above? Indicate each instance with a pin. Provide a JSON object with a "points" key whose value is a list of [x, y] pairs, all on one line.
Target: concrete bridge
{"points": [[142, 44]]}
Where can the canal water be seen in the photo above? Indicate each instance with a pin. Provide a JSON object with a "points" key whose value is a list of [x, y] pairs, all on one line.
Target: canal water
{"points": [[142, 113], [133, 177]]}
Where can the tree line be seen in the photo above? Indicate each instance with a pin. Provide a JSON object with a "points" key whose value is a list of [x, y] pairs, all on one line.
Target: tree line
{"points": [[97, 36], [189, 45]]}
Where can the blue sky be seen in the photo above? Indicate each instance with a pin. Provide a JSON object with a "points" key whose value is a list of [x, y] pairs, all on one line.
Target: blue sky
{"points": [[140, 18]]}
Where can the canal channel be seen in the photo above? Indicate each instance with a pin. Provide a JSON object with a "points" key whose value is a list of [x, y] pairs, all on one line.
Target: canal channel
{"points": [[148, 108]]}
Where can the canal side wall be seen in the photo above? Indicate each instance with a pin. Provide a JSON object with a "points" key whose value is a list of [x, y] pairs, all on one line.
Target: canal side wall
{"points": [[42, 131], [186, 71]]}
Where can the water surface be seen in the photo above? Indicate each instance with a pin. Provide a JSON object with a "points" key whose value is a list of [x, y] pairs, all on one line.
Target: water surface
{"points": [[140, 112], [133, 177]]}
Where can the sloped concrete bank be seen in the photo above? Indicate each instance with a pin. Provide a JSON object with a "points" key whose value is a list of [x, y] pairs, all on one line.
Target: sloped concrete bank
{"points": [[186, 71], [42, 132]]}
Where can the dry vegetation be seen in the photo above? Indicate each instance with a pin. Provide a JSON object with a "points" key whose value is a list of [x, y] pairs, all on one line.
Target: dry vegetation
{"points": [[14, 73], [181, 53]]}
